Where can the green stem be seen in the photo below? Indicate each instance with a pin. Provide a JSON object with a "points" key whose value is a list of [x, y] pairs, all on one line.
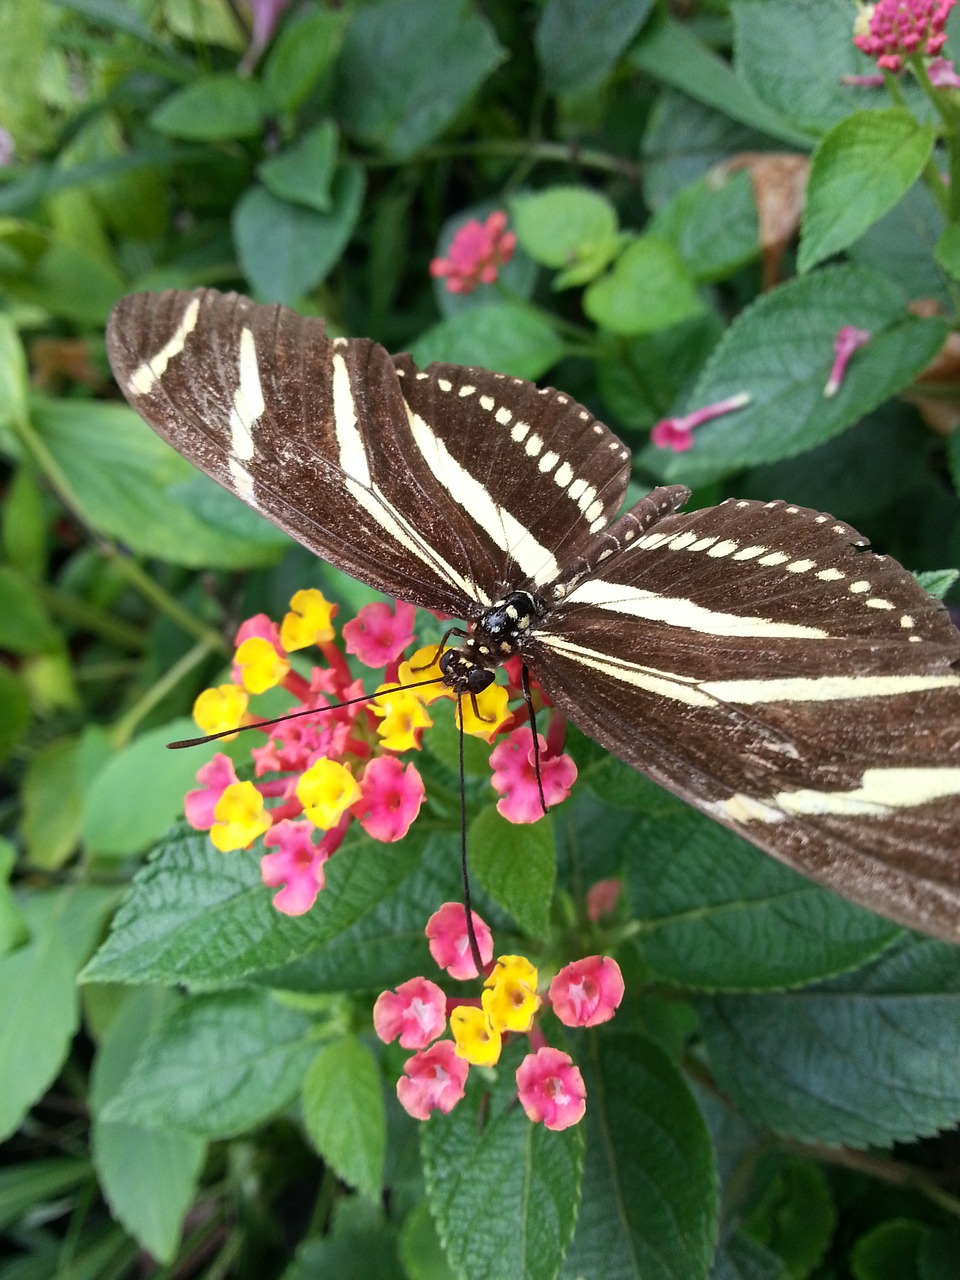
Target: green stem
{"points": [[560, 152], [124, 729], [162, 600], [89, 618]]}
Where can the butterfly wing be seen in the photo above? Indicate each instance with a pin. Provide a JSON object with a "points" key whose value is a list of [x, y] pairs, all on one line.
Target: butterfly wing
{"points": [[378, 467], [759, 662]]}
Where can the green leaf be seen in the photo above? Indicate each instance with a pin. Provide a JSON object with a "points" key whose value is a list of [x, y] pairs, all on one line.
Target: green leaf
{"points": [[948, 250], [199, 916], [712, 226], [419, 1246], [903, 246], [670, 53], [715, 913], [889, 1251], [862, 1060], [116, 15], [24, 624], [24, 36], [516, 865], [740, 1258], [407, 69], [28, 1187], [39, 1012], [54, 791], [860, 169], [649, 288], [285, 250], [344, 1114], [14, 710], [303, 174], [654, 371], [13, 927], [123, 480], [649, 1204], [560, 224], [304, 50], [205, 22], [216, 1065], [504, 336], [25, 523], [13, 377], [148, 1175], [503, 1192], [212, 108], [579, 41], [780, 350], [937, 582], [68, 282], [795, 1216]]}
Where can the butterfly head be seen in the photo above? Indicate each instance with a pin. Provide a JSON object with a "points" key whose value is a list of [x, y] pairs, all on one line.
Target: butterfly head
{"points": [[497, 636]]}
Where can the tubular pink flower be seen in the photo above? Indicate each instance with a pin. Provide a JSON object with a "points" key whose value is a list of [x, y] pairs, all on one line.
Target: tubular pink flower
{"points": [[846, 342], [587, 992], [675, 433], [515, 780], [551, 1089], [449, 944], [416, 1012], [892, 30], [379, 634], [216, 776], [297, 865], [602, 897], [434, 1079], [476, 254], [390, 798]]}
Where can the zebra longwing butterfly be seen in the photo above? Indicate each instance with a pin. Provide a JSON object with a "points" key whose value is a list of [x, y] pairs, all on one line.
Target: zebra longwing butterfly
{"points": [[754, 658]]}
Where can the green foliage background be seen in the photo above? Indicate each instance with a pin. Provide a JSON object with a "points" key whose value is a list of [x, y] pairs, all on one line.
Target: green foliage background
{"points": [[211, 1097]]}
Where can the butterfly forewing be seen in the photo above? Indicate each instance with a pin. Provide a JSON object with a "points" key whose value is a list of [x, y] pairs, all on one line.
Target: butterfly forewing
{"points": [[754, 658]]}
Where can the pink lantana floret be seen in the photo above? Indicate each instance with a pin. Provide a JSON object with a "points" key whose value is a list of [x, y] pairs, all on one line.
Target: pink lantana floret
{"points": [[587, 992], [416, 1013], [677, 433], [847, 341], [551, 1089], [216, 776], [892, 30], [602, 898], [379, 634], [450, 944], [515, 779], [477, 252], [297, 865], [434, 1079], [391, 796]]}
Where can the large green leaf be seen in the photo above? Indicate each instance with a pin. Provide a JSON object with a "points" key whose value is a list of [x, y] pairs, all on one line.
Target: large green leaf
{"points": [[579, 41], [344, 1114], [860, 169], [407, 68], [286, 249], [712, 226], [516, 865], [212, 109], [306, 48], [648, 288], [780, 351], [649, 1206], [503, 336], [867, 1059], [123, 480]]}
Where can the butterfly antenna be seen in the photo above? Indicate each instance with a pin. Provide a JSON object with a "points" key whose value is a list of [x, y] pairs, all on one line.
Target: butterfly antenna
{"points": [[294, 715], [532, 713], [471, 934]]}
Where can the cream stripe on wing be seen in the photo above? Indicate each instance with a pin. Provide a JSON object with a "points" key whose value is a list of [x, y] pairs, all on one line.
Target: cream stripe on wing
{"points": [[667, 684], [248, 402], [679, 612], [145, 378], [881, 792], [824, 688]]}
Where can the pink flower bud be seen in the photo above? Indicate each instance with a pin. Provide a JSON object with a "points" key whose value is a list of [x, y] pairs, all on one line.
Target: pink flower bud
{"points": [[846, 342], [587, 992], [416, 1013], [551, 1089], [450, 944], [602, 898]]}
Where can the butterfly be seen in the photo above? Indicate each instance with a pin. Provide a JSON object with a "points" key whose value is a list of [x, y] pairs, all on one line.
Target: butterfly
{"points": [[754, 658]]}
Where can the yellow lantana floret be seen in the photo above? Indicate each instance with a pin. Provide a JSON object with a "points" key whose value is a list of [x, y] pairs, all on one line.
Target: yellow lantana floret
{"points": [[424, 665], [221, 708], [493, 710], [401, 715], [261, 667], [239, 817], [309, 620], [511, 1000], [476, 1040], [327, 790]]}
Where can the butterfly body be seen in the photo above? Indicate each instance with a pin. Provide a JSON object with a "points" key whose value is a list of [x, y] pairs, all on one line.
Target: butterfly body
{"points": [[755, 658]]}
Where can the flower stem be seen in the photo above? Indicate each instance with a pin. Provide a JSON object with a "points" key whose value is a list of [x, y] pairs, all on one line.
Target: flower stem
{"points": [[162, 600], [123, 730]]}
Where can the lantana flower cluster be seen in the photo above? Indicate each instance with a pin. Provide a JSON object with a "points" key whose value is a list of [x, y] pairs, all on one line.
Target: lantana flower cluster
{"points": [[317, 774], [550, 1087], [477, 252], [893, 30]]}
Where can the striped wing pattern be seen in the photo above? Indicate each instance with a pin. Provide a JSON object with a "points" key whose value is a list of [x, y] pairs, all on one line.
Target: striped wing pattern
{"points": [[756, 659]]}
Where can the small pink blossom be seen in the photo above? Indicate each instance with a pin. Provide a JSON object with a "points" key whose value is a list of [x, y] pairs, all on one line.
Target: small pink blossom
{"points": [[379, 634], [676, 433], [515, 780], [551, 1089], [892, 30], [587, 992], [602, 898], [846, 342], [434, 1079], [477, 252], [266, 15], [450, 943], [416, 1012], [390, 798], [943, 74], [297, 865], [216, 776]]}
